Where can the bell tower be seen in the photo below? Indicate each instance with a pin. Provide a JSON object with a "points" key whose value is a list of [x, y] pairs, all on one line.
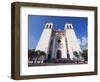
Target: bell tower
{"points": [[72, 41], [45, 38], [58, 44]]}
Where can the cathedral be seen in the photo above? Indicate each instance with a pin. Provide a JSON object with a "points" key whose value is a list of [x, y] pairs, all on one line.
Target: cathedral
{"points": [[59, 44]]}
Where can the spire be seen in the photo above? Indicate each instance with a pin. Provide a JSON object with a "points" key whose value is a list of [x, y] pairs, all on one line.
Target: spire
{"points": [[49, 25], [68, 26]]}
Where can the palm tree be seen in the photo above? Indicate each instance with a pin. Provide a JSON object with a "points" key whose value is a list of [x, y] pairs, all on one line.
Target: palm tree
{"points": [[42, 53], [37, 52], [36, 55], [76, 54], [31, 53], [85, 54]]}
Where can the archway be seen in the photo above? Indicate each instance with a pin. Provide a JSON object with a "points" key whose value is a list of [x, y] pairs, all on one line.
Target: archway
{"points": [[58, 54]]}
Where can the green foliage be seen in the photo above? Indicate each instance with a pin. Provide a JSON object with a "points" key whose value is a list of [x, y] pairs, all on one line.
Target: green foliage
{"points": [[31, 53], [42, 53], [76, 54], [35, 53], [38, 53], [85, 54]]}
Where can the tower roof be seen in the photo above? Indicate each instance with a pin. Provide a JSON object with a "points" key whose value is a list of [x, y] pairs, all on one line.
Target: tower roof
{"points": [[68, 25], [49, 25]]}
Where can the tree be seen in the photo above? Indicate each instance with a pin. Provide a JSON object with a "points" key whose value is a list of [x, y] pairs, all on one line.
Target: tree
{"points": [[31, 54], [85, 54], [76, 54], [36, 55], [42, 53]]}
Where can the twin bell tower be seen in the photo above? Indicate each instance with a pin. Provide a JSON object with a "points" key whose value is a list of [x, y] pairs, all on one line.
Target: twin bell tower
{"points": [[59, 44]]}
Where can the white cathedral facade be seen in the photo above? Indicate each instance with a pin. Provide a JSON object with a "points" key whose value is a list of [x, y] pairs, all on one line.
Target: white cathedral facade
{"points": [[59, 43]]}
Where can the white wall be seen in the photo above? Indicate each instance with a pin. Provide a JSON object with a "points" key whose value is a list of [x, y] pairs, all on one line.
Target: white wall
{"points": [[72, 41], [5, 44], [55, 48], [44, 41]]}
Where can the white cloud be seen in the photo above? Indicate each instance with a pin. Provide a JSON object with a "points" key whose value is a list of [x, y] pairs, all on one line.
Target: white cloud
{"points": [[83, 42], [79, 41]]}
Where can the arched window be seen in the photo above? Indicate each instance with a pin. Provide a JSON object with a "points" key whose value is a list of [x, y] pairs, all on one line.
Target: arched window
{"points": [[58, 54], [47, 26], [67, 27], [49, 56], [50, 26], [68, 56], [70, 26]]}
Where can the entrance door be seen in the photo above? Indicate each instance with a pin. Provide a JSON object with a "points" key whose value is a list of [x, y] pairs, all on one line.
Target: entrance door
{"points": [[58, 54]]}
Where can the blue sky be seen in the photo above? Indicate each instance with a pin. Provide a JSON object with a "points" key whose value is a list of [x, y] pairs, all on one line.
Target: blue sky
{"points": [[36, 25]]}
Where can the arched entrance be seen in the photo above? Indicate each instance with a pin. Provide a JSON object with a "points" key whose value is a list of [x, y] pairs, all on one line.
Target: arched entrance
{"points": [[58, 54]]}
